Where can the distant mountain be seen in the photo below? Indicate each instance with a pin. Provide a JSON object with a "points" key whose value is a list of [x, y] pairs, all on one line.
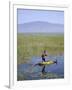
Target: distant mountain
{"points": [[40, 27]]}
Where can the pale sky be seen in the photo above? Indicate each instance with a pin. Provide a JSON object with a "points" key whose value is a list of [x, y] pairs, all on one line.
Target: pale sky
{"points": [[51, 16]]}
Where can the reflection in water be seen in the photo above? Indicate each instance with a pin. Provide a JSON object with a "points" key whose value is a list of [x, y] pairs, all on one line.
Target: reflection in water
{"points": [[47, 74], [43, 69]]}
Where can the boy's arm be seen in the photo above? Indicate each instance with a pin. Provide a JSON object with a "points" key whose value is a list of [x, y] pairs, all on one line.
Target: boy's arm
{"points": [[45, 54]]}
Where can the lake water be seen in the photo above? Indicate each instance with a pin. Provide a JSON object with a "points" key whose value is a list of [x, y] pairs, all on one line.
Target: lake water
{"points": [[30, 72]]}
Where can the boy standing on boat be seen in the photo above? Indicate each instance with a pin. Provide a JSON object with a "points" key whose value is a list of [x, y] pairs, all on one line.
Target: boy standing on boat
{"points": [[43, 55]]}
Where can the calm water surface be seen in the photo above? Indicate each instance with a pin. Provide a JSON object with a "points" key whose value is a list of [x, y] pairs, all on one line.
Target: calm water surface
{"points": [[30, 72]]}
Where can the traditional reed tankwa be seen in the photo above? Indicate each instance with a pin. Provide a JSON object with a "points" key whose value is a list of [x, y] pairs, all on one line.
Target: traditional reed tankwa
{"points": [[49, 62]]}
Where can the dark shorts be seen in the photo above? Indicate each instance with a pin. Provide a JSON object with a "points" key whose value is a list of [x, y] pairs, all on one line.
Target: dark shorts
{"points": [[43, 59]]}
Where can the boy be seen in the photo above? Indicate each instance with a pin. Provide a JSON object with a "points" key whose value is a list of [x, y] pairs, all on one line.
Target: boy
{"points": [[43, 55]]}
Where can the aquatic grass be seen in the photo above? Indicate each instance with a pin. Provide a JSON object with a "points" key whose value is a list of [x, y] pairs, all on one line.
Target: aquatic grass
{"points": [[29, 45]]}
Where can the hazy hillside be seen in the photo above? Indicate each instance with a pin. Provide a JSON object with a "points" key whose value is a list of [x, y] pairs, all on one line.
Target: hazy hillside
{"points": [[40, 27]]}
